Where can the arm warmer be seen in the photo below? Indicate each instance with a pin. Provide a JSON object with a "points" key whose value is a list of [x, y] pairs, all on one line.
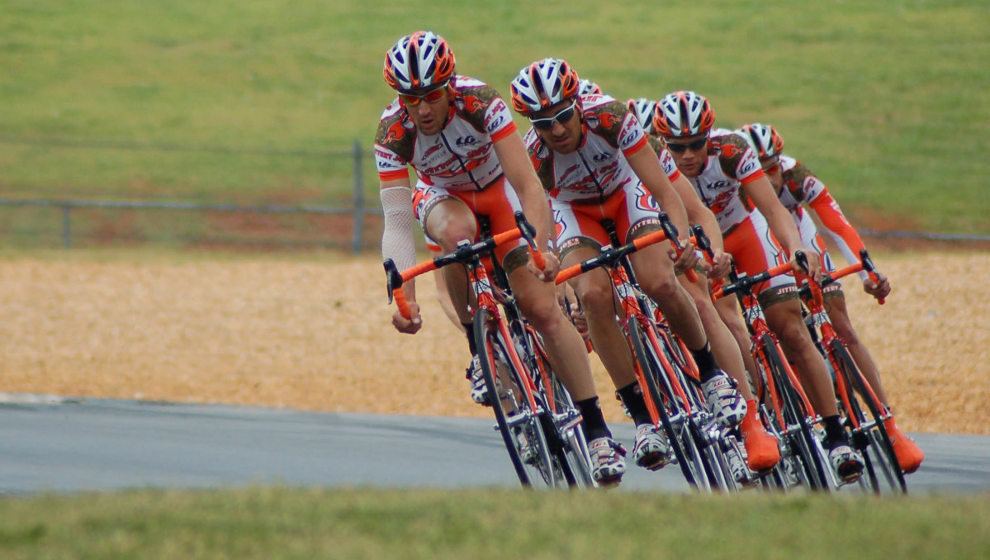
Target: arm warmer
{"points": [[397, 239]]}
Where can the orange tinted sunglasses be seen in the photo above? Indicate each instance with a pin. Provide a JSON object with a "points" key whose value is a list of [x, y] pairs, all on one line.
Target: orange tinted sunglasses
{"points": [[432, 96], [773, 168]]}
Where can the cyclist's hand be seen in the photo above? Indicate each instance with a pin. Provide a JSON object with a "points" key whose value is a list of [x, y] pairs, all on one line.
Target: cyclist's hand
{"points": [[721, 264], [410, 325], [550, 268], [814, 263], [688, 259], [580, 321], [879, 290]]}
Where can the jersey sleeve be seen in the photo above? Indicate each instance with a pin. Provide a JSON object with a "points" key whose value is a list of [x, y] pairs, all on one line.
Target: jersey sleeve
{"points": [[393, 145], [498, 120], [837, 226]]}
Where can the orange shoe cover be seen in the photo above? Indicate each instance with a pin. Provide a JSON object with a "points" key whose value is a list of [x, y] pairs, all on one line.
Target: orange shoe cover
{"points": [[762, 450], [909, 455]]}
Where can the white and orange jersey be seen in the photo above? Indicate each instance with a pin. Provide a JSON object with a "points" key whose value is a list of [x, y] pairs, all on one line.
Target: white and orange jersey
{"points": [[666, 160], [598, 168], [461, 157], [731, 164], [800, 187]]}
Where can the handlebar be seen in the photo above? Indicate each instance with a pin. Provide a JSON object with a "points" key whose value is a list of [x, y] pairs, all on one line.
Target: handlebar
{"points": [[743, 282], [610, 255], [464, 253], [865, 263]]}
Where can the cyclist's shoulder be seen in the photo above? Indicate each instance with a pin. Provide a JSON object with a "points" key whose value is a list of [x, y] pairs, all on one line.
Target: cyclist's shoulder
{"points": [[795, 172], [472, 91], [603, 113], [395, 131], [733, 152]]}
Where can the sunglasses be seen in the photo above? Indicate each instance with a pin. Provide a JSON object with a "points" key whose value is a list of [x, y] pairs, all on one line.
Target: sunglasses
{"points": [[773, 168], [432, 96], [561, 117], [678, 148]]}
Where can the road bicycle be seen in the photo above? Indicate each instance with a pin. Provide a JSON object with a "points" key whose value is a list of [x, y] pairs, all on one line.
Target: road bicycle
{"points": [[784, 407], [533, 412], [672, 394], [863, 413]]}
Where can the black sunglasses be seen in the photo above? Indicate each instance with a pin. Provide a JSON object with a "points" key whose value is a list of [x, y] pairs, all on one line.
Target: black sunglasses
{"points": [[693, 146], [561, 117]]}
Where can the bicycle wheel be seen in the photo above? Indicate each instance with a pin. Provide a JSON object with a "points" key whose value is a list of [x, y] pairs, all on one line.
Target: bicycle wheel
{"points": [[800, 435], [670, 408], [865, 420], [516, 418], [561, 418]]}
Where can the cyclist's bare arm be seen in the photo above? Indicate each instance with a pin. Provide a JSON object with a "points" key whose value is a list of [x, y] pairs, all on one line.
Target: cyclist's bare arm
{"points": [[699, 214], [522, 176], [762, 194], [398, 244]]}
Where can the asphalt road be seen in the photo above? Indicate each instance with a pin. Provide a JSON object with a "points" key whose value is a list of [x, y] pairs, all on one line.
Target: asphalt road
{"points": [[50, 444]]}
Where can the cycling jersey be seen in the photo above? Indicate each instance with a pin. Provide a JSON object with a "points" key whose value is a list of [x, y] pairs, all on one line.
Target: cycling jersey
{"points": [[801, 186], [461, 157], [597, 168], [731, 164], [595, 182]]}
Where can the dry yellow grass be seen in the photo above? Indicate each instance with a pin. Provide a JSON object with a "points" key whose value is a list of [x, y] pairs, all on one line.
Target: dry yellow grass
{"points": [[316, 336]]}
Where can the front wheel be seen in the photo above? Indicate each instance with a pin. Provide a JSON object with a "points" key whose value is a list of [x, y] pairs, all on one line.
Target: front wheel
{"points": [[511, 398]]}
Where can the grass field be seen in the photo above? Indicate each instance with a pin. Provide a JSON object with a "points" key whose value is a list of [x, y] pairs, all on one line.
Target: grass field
{"points": [[476, 524], [887, 101]]}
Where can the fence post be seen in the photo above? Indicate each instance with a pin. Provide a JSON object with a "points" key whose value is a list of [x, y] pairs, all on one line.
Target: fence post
{"points": [[357, 239], [66, 226]]}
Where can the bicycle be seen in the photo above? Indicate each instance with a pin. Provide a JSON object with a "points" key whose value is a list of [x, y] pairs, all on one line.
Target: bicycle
{"points": [[533, 412], [672, 395], [784, 407], [864, 414]]}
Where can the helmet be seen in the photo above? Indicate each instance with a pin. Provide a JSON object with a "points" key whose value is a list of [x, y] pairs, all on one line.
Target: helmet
{"points": [[587, 87], [643, 109], [422, 59], [542, 84], [763, 138], [683, 113]]}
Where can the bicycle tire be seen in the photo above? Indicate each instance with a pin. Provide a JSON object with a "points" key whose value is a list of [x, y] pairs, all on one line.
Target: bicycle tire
{"points": [[561, 419], [873, 441], [673, 416], [799, 432], [519, 426]]}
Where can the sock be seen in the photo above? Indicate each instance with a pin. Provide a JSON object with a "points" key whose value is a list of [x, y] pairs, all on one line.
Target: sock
{"points": [[592, 420], [706, 362], [469, 329], [632, 397], [834, 434]]}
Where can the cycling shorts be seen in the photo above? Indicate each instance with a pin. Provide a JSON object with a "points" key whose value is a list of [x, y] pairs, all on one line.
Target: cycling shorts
{"points": [[811, 238], [754, 249], [579, 223], [498, 202]]}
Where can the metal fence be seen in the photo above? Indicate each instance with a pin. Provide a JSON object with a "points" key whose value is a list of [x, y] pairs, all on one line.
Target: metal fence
{"points": [[358, 212]]}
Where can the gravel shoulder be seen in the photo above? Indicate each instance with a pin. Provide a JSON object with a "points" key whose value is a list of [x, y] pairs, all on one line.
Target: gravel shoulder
{"points": [[316, 335]]}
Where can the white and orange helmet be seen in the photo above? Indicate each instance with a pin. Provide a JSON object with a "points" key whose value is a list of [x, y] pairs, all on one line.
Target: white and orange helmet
{"points": [[587, 87], [543, 84], [643, 108], [683, 113], [419, 60], [763, 138]]}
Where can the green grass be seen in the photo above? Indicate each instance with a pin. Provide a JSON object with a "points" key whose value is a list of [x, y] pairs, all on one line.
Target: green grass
{"points": [[887, 101], [362, 523]]}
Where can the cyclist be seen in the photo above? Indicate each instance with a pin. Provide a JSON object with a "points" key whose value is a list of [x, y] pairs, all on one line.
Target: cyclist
{"points": [[762, 451], [593, 159], [797, 187], [727, 177], [459, 136]]}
